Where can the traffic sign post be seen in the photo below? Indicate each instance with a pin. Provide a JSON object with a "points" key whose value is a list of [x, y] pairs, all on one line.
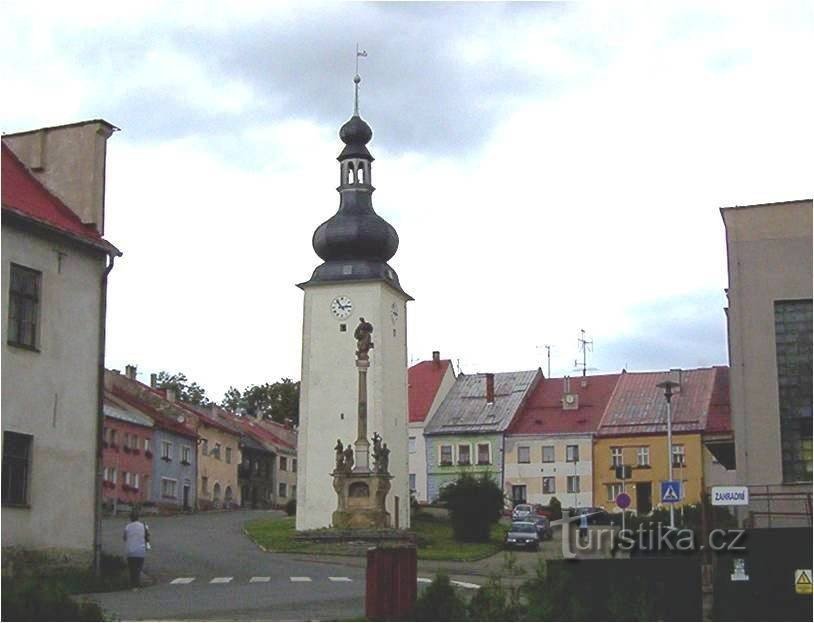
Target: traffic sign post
{"points": [[670, 491]]}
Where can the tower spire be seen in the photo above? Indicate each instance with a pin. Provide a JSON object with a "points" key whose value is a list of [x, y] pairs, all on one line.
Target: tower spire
{"points": [[356, 80]]}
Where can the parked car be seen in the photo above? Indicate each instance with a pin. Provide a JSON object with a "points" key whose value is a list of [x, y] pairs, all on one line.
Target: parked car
{"points": [[543, 525], [523, 534], [521, 511], [596, 516]]}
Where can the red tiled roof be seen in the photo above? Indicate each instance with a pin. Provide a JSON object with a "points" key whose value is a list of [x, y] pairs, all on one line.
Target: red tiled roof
{"points": [[24, 195], [719, 419], [162, 420], [544, 413], [423, 381], [260, 433], [205, 417], [638, 407]]}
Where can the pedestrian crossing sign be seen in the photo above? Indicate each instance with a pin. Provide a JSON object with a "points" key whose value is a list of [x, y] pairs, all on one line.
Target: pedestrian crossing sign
{"points": [[670, 491], [802, 581]]}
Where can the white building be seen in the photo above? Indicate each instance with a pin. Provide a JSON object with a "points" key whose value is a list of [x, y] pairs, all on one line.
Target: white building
{"points": [[428, 383], [55, 265], [354, 282]]}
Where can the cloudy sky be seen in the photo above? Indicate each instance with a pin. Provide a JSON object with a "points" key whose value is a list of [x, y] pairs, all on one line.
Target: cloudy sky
{"points": [[549, 167]]}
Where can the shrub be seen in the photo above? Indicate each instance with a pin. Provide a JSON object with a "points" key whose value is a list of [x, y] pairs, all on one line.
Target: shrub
{"points": [[556, 508], [439, 602], [474, 504], [35, 599], [291, 507]]}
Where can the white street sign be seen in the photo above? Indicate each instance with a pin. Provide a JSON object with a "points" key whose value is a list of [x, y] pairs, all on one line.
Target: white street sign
{"points": [[730, 496]]}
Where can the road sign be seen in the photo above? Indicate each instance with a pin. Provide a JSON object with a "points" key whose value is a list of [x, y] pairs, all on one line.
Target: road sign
{"points": [[623, 500], [802, 581], [670, 491], [730, 496]]}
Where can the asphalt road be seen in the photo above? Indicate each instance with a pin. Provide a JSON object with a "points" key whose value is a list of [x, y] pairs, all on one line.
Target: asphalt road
{"points": [[249, 584]]}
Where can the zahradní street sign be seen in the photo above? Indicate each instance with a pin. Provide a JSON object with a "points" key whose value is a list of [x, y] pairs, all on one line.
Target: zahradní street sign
{"points": [[730, 496], [623, 500]]}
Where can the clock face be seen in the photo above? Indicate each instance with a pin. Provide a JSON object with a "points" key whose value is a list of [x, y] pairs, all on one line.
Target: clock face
{"points": [[341, 307], [394, 313]]}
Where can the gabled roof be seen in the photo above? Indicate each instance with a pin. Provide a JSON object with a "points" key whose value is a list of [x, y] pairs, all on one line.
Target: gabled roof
{"points": [[544, 414], [255, 430], [638, 407], [465, 409], [117, 410], [161, 420], [423, 381], [207, 419], [24, 196]]}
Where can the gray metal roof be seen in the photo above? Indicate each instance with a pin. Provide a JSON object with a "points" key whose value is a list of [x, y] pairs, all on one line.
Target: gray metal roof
{"points": [[126, 415], [465, 409]]}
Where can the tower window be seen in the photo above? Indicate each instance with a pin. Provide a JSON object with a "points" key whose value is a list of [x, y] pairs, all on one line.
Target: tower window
{"points": [[361, 174], [350, 174], [343, 327]]}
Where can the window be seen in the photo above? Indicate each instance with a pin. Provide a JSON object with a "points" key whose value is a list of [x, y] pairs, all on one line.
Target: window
{"points": [[293, 465], [616, 457], [293, 491], [523, 454], [614, 489], [135, 481], [204, 485], [186, 453], [126, 443], [283, 464], [679, 459], [16, 467], [282, 490], [572, 484], [166, 450], [519, 494], [549, 484], [572, 454], [228, 454], [463, 454], [446, 455], [216, 451], [643, 456], [793, 345], [256, 466], [548, 454], [204, 447], [126, 478], [113, 475], [112, 438], [23, 306], [168, 488], [412, 483], [411, 444], [484, 453], [146, 444]]}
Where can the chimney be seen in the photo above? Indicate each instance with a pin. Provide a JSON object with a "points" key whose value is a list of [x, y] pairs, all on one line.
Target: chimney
{"points": [[436, 357], [170, 394], [490, 388], [130, 372], [566, 385], [153, 380]]}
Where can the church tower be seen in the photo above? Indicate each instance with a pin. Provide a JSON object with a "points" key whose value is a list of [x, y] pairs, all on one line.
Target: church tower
{"points": [[354, 281]]}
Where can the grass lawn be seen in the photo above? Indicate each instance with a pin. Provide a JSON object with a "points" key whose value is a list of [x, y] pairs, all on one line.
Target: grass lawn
{"points": [[435, 540]]}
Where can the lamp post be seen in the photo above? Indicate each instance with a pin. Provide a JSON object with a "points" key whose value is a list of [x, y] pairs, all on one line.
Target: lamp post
{"points": [[668, 387]]}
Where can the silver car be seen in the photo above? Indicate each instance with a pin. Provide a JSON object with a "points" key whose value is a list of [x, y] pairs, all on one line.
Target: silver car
{"points": [[521, 511], [523, 534]]}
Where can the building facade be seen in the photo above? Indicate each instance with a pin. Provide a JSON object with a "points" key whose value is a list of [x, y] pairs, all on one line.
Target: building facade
{"points": [[355, 281], [770, 352], [428, 383], [549, 446], [127, 455], [466, 434], [55, 264]]}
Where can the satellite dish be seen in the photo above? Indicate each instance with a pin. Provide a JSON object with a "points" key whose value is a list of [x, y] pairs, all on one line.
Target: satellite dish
{"points": [[180, 419]]}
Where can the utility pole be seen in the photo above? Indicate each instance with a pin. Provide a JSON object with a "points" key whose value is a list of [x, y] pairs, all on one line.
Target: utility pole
{"points": [[548, 359], [668, 387]]}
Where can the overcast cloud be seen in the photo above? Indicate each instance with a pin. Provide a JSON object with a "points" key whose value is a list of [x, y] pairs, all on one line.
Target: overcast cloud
{"points": [[549, 167]]}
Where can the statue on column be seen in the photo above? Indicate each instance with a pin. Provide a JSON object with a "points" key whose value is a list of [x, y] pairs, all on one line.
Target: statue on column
{"points": [[340, 456], [363, 339], [348, 462], [383, 462]]}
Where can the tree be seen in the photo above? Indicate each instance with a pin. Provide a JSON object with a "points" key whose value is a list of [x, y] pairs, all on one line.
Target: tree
{"points": [[277, 401], [185, 390], [475, 505]]}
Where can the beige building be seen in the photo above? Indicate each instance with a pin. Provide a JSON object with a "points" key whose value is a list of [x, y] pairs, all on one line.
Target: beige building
{"points": [[55, 265], [218, 460], [770, 349]]}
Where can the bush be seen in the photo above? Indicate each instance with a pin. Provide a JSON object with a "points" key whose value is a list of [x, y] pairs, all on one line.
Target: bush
{"points": [[474, 504], [291, 508], [439, 602], [35, 599]]}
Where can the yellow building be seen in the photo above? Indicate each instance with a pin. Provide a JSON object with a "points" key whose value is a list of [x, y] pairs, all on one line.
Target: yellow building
{"points": [[633, 432]]}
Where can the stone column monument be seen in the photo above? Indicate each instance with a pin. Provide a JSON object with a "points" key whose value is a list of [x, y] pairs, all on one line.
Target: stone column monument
{"points": [[361, 488]]}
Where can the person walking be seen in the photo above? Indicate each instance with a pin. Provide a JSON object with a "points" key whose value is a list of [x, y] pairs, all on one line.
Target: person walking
{"points": [[137, 542]]}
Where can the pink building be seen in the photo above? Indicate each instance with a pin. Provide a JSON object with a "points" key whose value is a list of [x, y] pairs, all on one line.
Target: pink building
{"points": [[127, 455]]}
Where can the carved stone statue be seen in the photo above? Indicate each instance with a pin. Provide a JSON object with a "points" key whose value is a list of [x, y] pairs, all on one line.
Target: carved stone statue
{"points": [[348, 462], [363, 338], [377, 444], [383, 460], [340, 458]]}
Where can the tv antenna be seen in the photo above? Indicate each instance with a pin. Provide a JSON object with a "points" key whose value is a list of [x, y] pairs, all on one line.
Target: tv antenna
{"points": [[585, 345], [548, 358]]}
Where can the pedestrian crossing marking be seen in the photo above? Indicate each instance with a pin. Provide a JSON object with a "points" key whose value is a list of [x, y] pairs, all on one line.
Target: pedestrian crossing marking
{"points": [[299, 578], [182, 580], [260, 578], [220, 580], [425, 580], [464, 584], [339, 579]]}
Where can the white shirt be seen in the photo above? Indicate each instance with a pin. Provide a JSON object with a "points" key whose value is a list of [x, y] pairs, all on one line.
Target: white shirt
{"points": [[135, 540]]}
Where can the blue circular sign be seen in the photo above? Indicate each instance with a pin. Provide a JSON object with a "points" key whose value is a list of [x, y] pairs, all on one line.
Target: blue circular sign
{"points": [[623, 500]]}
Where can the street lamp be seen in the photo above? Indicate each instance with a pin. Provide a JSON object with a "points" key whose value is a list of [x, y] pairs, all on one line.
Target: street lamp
{"points": [[668, 387]]}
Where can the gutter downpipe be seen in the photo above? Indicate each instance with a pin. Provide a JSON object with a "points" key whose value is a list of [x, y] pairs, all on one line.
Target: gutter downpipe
{"points": [[97, 494]]}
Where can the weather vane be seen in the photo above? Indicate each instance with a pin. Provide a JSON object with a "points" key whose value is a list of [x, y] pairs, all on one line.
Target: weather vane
{"points": [[357, 80]]}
